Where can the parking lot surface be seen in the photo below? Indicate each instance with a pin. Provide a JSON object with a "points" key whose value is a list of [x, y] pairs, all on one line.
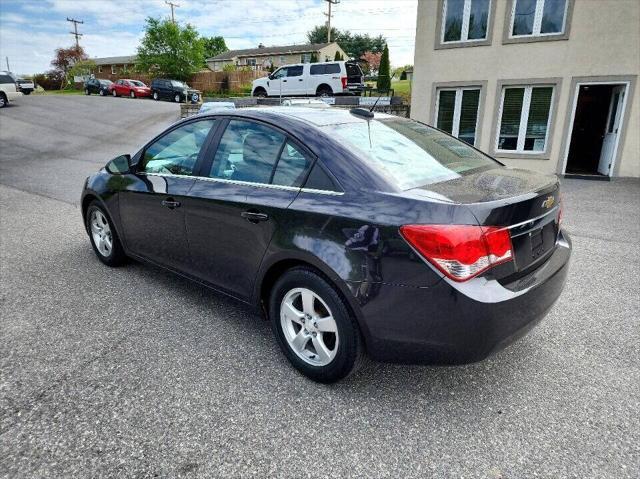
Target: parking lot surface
{"points": [[134, 372]]}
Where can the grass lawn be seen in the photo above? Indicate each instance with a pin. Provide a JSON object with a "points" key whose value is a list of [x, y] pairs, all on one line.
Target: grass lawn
{"points": [[400, 88], [58, 92]]}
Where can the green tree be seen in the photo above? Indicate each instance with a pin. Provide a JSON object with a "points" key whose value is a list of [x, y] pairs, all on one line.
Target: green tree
{"points": [[384, 78], [353, 45], [169, 49], [314, 58], [64, 60], [83, 68], [214, 46], [337, 57]]}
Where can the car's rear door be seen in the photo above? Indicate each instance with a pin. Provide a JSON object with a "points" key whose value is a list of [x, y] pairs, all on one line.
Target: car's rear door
{"points": [[253, 174], [152, 200]]}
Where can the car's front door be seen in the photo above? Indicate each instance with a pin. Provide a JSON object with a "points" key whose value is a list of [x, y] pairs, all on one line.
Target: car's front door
{"points": [[254, 175], [275, 85], [295, 81], [152, 200]]}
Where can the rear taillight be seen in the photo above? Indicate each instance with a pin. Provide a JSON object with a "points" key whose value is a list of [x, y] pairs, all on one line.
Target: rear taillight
{"points": [[344, 82], [460, 251]]}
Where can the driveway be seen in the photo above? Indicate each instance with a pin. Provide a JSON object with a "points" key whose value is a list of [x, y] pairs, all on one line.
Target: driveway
{"points": [[134, 372]]}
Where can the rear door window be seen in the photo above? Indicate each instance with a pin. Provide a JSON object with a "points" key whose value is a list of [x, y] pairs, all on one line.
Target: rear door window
{"points": [[248, 152], [292, 166], [332, 68], [317, 69]]}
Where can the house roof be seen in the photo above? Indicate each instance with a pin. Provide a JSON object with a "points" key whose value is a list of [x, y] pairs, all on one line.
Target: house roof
{"points": [[115, 60], [277, 50]]}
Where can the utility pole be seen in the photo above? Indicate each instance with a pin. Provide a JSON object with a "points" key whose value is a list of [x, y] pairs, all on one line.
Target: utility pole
{"points": [[328, 15], [8, 69], [75, 29], [173, 5]]}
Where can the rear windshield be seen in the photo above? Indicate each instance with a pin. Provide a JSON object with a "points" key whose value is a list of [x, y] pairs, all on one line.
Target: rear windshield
{"points": [[410, 153], [353, 70]]}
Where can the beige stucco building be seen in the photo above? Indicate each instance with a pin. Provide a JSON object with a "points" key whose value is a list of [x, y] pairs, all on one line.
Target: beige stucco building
{"points": [[265, 57], [548, 85]]}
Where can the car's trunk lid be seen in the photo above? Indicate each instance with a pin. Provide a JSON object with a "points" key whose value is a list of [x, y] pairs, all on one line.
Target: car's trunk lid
{"points": [[354, 73], [525, 202]]}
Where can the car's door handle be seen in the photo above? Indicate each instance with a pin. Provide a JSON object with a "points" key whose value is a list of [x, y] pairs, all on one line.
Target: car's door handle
{"points": [[284, 81], [254, 216], [300, 79], [170, 203]]}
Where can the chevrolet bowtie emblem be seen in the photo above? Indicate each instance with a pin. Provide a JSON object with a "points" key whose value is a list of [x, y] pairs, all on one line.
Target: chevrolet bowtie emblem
{"points": [[548, 203]]}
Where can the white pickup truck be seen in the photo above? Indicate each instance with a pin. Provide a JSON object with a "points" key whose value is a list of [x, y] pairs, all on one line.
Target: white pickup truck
{"points": [[311, 79], [8, 89]]}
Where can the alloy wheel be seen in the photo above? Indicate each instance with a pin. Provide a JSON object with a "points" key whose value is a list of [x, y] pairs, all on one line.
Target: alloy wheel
{"points": [[309, 327], [101, 233], [114, 93], [177, 98]]}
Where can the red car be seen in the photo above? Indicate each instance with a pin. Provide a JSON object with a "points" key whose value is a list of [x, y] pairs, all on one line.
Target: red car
{"points": [[132, 88]]}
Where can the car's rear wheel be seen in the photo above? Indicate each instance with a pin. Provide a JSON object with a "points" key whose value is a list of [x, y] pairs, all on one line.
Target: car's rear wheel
{"points": [[132, 94], [177, 98], [102, 93], [103, 236], [114, 93], [87, 92], [3, 100], [314, 326], [27, 92], [155, 96], [324, 91]]}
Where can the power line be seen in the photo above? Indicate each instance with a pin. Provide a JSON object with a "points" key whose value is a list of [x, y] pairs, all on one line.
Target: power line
{"points": [[75, 30], [173, 5], [328, 15]]}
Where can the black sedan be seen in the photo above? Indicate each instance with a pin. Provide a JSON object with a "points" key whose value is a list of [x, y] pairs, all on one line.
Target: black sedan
{"points": [[353, 234], [98, 86]]}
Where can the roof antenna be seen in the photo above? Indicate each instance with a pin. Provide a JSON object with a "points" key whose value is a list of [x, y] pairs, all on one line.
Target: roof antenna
{"points": [[374, 104]]}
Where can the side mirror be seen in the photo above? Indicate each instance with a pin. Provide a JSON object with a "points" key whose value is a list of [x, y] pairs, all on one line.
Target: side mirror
{"points": [[120, 165]]}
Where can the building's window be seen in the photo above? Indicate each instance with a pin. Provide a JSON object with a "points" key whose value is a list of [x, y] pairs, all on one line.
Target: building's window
{"points": [[465, 20], [251, 62], [538, 17], [282, 60], [306, 57], [525, 112], [113, 69], [458, 112]]}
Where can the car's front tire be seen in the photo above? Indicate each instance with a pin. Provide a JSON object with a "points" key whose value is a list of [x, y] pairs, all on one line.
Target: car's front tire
{"points": [[87, 92], [177, 98], [114, 93], [314, 326], [102, 93], [3, 100], [155, 95], [132, 94], [103, 236]]}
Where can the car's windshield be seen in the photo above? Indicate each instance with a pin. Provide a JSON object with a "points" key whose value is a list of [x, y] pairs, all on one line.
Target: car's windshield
{"points": [[179, 84], [137, 83], [410, 153], [106, 82]]}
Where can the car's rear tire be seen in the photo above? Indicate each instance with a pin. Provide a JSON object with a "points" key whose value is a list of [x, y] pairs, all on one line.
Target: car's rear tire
{"points": [[155, 95], [314, 326], [324, 91], [114, 93], [27, 92], [87, 92], [102, 93], [103, 236], [177, 98], [3, 100], [132, 94]]}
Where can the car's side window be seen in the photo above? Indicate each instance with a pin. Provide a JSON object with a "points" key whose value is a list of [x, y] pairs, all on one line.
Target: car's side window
{"points": [[247, 151], [177, 151], [294, 71], [292, 166], [280, 73]]}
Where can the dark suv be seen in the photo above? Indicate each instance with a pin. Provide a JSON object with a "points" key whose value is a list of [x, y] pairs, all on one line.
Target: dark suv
{"points": [[174, 90]]}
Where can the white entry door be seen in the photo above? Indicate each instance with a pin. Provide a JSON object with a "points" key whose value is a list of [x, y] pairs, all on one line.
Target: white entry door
{"points": [[612, 130]]}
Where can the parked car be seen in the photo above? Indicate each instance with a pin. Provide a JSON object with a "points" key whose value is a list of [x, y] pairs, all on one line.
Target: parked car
{"points": [[211, 106], [8, 89], [316, 79], [25, 86], [132, 88], [174, 90], [98, 86], [352, 231]]}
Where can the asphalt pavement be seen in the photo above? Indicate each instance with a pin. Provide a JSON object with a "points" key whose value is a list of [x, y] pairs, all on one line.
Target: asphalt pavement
{"points": [[134, 372]]}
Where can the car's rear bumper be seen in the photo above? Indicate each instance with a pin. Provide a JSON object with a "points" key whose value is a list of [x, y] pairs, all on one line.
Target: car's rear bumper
{"points": [[459, 323]]}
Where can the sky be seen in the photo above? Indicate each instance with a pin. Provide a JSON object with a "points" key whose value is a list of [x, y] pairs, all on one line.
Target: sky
{"points": [[30, 30]]}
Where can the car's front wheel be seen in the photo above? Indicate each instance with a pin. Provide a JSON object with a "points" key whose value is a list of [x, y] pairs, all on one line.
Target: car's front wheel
{"points": [[87, 92], [177, 98], [3, 100], [102, 93], [156, 97], [114, 93], [314, 326], [104, 239]]}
